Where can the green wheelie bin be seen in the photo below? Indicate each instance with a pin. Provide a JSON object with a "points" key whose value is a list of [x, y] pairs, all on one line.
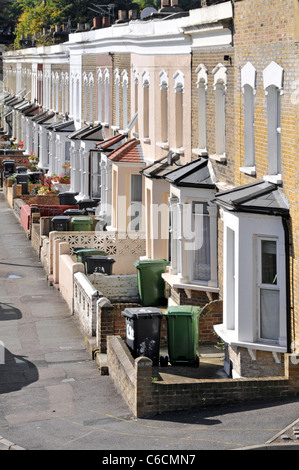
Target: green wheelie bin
{"points": [[182, 334], [81, 224], [151, 285]]}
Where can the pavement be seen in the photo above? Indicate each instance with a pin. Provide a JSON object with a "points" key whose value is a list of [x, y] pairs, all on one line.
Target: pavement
{"points": [[52, 396]]}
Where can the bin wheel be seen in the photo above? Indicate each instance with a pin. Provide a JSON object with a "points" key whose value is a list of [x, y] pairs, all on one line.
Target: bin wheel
{"points": [[196, 362], [163, 361]]}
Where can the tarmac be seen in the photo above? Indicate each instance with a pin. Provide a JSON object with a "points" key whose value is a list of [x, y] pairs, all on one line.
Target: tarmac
{"points": [[52, 396]]}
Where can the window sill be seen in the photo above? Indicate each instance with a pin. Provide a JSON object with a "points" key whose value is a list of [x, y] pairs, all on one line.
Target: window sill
{"points": [[230, 337], [276, 179], [221, 158], [145, 140], [163, 145], [174, 281], [178, 150], [105, 124], [115, 128], [200, 152], [248, 170]]}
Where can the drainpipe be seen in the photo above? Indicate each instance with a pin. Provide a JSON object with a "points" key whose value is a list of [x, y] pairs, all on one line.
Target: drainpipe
{"points": [[288, 284]]}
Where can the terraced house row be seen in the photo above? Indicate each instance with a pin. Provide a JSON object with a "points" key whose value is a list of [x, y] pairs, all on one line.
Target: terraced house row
{"points": [[184, 125]]}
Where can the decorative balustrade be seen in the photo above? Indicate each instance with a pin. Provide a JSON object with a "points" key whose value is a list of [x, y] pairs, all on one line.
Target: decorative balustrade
{"points": [[85, 304], [124, 248]]}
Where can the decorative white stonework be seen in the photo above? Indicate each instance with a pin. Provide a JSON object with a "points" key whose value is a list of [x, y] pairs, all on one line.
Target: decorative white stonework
{"points": [[220, 75], [202, 75], [248, 76], [163, 80], [273, 75]]}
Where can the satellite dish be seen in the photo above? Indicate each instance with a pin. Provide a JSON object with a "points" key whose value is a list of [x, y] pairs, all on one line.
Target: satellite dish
{"points": [[147, 12]]}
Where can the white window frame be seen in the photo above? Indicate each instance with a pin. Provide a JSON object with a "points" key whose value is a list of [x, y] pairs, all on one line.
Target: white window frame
{"points": [[183, 243], [241, 282], [266, 286]]}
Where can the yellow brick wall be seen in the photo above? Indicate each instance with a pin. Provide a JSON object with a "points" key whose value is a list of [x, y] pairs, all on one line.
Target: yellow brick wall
{"points": [[265, 31]]}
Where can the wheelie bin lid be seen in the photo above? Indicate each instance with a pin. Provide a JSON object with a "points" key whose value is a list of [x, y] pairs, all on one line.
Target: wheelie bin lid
{"points": [[183, 310], [100, 257], [144, 312], [81, 219], [89, 251], [150, 262], [60, 217]]}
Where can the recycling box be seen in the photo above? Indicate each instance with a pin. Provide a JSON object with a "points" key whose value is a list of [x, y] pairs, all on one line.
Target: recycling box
{"points": [[143, 326]]}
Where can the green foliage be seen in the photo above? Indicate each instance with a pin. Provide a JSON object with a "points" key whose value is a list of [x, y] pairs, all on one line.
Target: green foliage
{"points": [[31, 16]]}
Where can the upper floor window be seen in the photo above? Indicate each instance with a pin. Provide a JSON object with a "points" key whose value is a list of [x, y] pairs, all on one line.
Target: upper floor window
{"points": [[106, 94], [117, 98], [136, 86], [66, 93], [273, 84], [220, 80], [125, 86], [145, 86], [100, 95], [179, 106], [164, 105], [85, 93], [248, 84], [90, 97], [202, 85]]}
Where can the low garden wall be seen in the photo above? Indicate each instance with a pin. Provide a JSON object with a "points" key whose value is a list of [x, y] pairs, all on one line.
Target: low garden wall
{"points": [[63, 276], [117, 288], [145, 397]]}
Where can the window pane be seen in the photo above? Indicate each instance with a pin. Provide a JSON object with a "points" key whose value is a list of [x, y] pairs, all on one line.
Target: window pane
{"points": [[269, 304], [136, 188], [201, 228], [269, 264]]}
